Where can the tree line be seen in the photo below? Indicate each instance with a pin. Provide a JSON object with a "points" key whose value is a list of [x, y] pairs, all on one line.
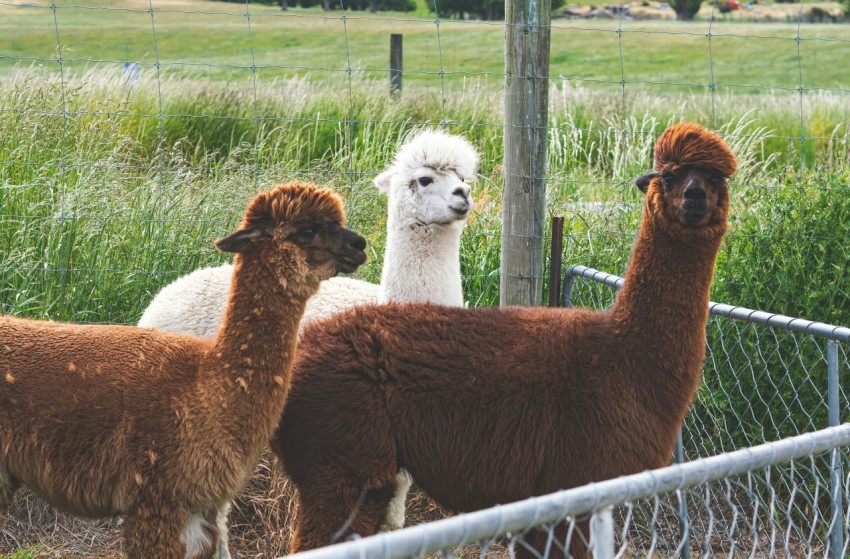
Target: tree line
{"points": [[462, 9]]}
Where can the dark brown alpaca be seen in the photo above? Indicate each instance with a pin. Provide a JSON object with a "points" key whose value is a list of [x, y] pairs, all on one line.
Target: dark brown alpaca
{"points": [[163, 429], [489, 406]]}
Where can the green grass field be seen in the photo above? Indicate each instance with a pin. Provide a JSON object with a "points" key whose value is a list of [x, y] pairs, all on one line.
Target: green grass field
{"points": [[119, 185], [111, 187], [202, 38]]}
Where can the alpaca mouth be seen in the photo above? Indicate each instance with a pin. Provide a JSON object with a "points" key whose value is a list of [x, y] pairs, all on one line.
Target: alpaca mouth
{"points": [[460, 211], [348, 264], [693, 214]]}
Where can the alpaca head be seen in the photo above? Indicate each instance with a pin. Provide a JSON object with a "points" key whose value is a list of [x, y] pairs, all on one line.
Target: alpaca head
{"points": [[297, 230], [427, 181], [688, 187]]}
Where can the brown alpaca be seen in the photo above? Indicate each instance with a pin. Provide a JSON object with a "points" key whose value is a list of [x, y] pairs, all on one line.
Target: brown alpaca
{"points": [[163, 429], [489, 406]]}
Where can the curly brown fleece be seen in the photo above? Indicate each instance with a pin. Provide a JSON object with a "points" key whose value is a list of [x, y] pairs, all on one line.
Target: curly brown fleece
{"points": [[163, 429]]}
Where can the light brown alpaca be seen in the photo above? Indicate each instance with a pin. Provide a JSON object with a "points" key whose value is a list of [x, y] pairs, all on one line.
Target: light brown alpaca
{"points": [[163, 429], [490, 406]]}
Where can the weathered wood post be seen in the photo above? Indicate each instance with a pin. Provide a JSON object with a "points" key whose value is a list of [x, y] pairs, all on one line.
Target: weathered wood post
{"points": [[395, 64], [527, 30]]}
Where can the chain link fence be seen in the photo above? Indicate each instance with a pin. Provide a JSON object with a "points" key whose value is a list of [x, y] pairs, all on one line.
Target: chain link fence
{"points": [[768, 501], [766, 376]]}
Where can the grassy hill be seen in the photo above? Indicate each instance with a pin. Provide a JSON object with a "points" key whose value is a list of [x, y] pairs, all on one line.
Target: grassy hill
{"points": [[216, 40]]}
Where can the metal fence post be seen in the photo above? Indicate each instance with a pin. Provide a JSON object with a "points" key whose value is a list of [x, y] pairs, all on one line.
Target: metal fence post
{"points": [[602, 534], [836, 476], [567, 288], [555, 260], [682, 513]]}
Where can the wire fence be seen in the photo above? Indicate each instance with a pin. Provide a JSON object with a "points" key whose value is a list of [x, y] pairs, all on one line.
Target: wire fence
{"points": [[238, 96], [132, 133], [766, 376], [773, 500]]}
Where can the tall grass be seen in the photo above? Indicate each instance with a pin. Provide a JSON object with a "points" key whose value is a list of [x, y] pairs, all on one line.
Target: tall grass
{"points": [[110, 188]]}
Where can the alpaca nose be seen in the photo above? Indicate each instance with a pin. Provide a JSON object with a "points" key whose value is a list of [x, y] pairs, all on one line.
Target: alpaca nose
{"points": [[462, 191], [694, 191], [358, 242]]}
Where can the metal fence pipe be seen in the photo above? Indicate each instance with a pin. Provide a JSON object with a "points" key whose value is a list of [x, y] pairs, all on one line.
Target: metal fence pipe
{"points": [[682, 511], [602, 534], [836, 475], [517, 517], [829, 331]]}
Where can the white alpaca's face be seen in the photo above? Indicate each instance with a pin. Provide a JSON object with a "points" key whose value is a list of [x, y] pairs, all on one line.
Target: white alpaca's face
{"points": [[429, 196]]}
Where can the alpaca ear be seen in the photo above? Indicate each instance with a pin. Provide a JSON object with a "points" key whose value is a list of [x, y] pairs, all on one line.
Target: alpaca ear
{"points": [[643, 181], [382, 181], [243, 240]]}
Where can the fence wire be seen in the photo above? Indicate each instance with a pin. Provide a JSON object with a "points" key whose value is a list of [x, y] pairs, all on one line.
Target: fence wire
{"points": [[128, 142], [258, 76], [765, 376]]}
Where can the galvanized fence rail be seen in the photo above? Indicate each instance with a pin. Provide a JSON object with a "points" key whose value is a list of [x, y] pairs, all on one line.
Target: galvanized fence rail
{"points": [[766, 376], [744, 510]]}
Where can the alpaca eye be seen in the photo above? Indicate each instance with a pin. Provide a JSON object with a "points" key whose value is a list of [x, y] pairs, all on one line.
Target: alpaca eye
{"points": [[716, 182], [669, 180], [425, 181], [308, 233]]}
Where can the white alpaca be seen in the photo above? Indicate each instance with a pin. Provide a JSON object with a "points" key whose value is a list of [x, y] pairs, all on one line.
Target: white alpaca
{"points": [[195, 303], [428, 202]]}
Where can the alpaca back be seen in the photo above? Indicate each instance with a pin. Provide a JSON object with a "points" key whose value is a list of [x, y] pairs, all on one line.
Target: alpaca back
{"points": [[524, 383], [40, 394], [193, 304]]}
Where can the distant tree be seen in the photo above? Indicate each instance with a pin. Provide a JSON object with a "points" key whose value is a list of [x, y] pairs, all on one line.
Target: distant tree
{"points": [[327, 5], [685, 9], [477, 9]]}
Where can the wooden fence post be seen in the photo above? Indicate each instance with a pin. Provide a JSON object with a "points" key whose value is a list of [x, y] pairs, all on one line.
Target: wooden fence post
{"points": [[527, 36], [395, 64]]}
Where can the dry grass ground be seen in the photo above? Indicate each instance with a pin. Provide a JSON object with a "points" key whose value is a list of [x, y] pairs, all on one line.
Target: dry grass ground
{"points": [[260, 523]]}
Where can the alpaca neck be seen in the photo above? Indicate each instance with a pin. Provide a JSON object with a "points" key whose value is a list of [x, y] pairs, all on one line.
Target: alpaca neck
{"points": [[422, 263], [251, 356], [663, 309]]}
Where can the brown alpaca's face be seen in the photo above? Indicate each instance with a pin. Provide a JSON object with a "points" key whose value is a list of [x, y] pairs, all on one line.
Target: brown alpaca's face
{"points": [[689, 195], [326, 247], [313, 246]]}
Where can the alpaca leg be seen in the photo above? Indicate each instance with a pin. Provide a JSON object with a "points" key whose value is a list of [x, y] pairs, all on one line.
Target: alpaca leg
{"points": [[8, 487], [395, 510], [201, 535], [155, 533], [327, 516], [221, 549]]}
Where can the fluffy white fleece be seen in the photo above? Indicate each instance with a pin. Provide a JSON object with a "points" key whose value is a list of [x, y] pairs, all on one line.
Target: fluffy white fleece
{"points": [[194, 304]]}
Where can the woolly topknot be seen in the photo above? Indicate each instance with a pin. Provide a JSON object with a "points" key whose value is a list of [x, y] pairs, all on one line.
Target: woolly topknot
{"points": [[439, 151], [294, 202], [688, 143]]}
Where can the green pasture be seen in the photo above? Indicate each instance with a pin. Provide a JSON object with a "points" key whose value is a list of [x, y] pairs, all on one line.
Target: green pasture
{"points": [[203, 38], [113, 185]]}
